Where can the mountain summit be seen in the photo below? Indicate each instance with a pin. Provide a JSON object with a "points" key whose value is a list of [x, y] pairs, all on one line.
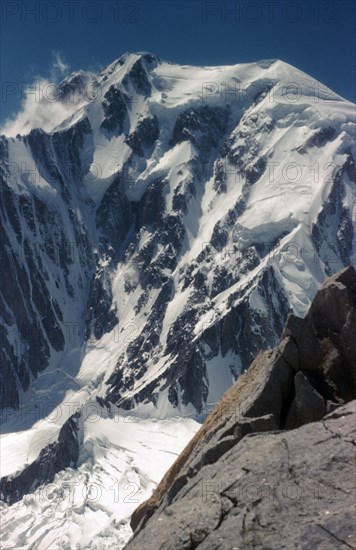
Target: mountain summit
{"points": [[161, 223], [158, 223]]}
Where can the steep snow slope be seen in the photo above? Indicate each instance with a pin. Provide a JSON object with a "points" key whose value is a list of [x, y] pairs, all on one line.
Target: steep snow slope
{"points": [[157, 224]]}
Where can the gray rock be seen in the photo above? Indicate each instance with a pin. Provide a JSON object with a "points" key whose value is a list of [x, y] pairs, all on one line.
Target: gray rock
{"points": [[310, 403], [309, 352], [331, 406], [289, 351], [270, 387], [227, 437], [280, 490], [307, 406], [333, 318], [339, 293]]}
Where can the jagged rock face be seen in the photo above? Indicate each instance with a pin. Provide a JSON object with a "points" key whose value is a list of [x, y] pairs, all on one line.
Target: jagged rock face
{"points": [[46, 259], [52, 459], [247, 438], [169, 225]]}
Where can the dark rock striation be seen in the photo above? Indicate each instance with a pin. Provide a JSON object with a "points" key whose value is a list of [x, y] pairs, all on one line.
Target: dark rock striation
{"points": [[62, 453]]}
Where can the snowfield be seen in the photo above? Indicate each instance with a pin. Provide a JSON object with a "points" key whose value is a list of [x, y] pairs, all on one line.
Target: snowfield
{"points": [[122, 458]]}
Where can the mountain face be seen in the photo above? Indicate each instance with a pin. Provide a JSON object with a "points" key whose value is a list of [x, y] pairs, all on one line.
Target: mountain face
{"points": [[161, 223], [158, 223], [273, 465], [157, 243]]}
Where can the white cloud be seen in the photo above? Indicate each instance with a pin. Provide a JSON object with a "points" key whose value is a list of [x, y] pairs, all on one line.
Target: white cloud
{"points": [[40, 109], [59, 67], [41, 106]]}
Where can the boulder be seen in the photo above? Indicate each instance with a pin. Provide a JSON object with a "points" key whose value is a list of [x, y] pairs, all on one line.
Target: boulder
{"points": [[309, 351], [307, 406], [332, 315]]}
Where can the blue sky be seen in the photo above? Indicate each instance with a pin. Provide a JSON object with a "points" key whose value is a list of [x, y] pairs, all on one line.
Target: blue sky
{"points": [[48, 38]]}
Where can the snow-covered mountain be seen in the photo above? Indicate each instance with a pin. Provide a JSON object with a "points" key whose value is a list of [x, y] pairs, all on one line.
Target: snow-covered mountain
{"points": [[158, 222]]}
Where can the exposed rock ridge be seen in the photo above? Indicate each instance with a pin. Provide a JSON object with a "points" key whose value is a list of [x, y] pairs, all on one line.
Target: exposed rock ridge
{"points": [[61, 454], [310, 373]]}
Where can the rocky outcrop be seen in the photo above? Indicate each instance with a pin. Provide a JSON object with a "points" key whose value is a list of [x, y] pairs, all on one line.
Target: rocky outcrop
{"points": [[278, 490], [46, 256], [268, 457], [53, 458]]}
